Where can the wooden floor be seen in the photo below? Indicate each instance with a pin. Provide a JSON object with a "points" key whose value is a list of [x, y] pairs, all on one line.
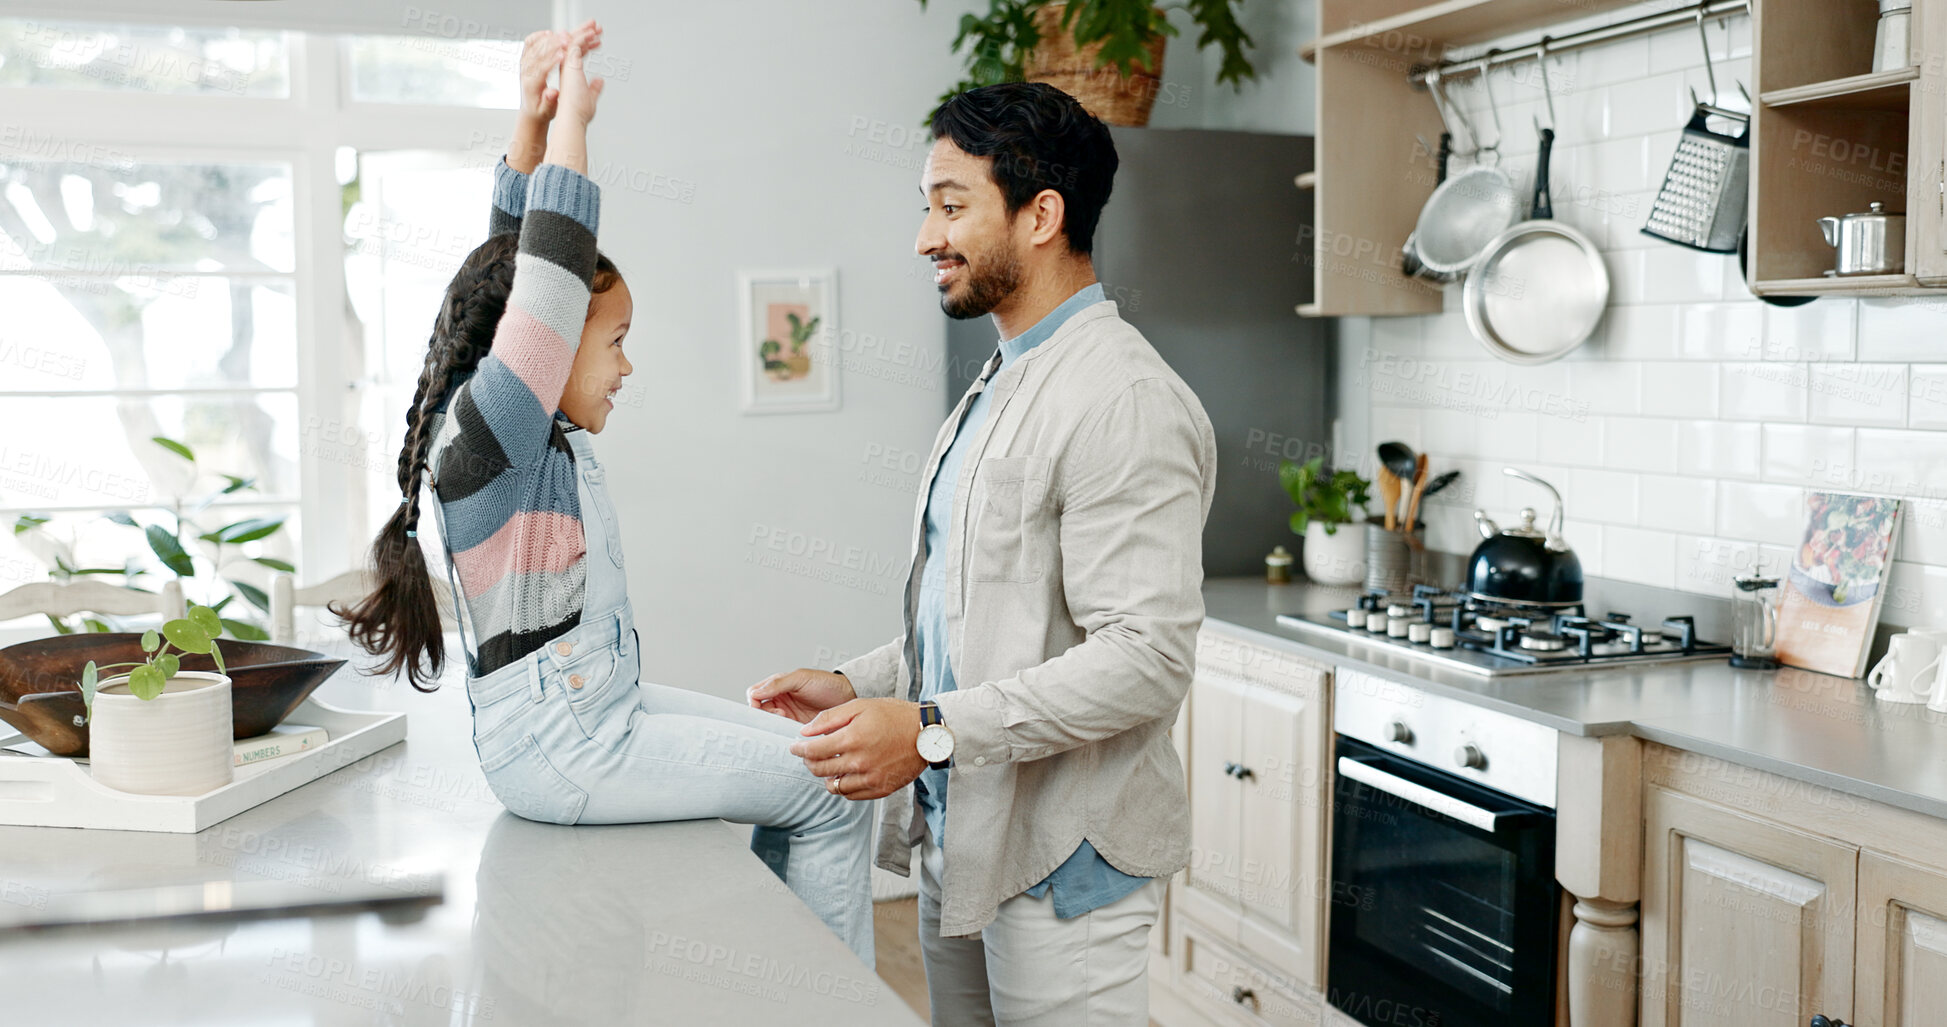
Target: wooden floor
{"points": [[895, 940]]}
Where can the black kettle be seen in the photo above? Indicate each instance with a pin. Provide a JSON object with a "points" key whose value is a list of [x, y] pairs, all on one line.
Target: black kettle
{"points": [[1524, 565]]}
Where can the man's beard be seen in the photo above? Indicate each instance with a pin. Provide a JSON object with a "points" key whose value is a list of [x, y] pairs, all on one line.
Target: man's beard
{"points": [[988, 283]]}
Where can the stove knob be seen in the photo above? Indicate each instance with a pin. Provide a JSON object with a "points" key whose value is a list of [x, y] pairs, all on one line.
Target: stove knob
{"points": [[1469, 757], [1355, 618], [1441, 638], [1397, 731]]}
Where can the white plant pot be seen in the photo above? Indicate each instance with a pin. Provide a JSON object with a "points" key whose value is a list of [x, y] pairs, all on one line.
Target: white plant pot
{"points": [[1338, 558], [179, 743]]}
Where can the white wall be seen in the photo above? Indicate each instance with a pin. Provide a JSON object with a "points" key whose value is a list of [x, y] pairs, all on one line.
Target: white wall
{"points": [[1685, 435]]}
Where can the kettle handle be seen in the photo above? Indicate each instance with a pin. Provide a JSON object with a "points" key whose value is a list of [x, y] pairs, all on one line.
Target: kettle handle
{"points": [[1554, 519]]}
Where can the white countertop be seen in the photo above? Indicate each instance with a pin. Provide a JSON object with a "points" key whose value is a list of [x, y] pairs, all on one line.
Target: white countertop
{"points": [[540, 924], [1826, 731]]}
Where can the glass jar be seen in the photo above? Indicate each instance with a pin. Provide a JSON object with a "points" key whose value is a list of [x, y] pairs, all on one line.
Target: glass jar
{"points": [[1754, 621]]}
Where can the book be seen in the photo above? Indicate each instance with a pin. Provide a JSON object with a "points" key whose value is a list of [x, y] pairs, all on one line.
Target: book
{"points": [[1836, 582], [282, 740]]}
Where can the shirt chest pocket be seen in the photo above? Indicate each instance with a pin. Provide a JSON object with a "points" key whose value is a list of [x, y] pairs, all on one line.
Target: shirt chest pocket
{"points": [[1013, 534]]}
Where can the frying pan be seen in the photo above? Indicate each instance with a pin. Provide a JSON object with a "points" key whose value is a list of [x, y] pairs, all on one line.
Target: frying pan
{"points": [[1467, 210], [1540, 287]]}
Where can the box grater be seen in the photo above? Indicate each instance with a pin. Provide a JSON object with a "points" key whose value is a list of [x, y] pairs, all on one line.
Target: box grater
{"points": [[1701, 204]]}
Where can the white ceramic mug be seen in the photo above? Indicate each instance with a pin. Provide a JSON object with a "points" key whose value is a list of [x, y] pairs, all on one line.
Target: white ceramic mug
{"points": [[1906, 673]]}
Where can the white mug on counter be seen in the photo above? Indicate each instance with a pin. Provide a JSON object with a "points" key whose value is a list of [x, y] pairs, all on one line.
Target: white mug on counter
{"points": [[1907, 672]]}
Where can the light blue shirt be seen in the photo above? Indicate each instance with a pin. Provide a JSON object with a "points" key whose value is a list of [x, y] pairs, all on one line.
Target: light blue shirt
{"points": [[1084, 881]]}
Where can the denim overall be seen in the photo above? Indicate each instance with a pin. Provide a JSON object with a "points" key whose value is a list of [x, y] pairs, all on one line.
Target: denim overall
{"points": [[570, 734]]}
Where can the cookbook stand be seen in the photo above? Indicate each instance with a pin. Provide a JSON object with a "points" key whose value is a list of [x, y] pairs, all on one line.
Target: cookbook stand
{"points": [[55, 791]]}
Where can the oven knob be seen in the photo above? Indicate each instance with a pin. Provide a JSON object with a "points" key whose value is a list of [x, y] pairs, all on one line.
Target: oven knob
{"points": [[1397, 731], [1355, 618], [1470, 757], [1441, 638]]}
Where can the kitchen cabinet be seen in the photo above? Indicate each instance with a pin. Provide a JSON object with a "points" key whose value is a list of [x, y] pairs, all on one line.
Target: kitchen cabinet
{"points": [[1768, 901], [1744, 921], [1246, 920]]}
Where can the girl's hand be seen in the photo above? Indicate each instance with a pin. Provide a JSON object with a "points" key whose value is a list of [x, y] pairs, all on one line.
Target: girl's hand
{"points": [[540, 54], [578, 93]]}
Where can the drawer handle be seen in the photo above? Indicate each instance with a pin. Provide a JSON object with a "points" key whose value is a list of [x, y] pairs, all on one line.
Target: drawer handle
{"points": [[1821, 1020], [1241, 995], [1238, 771]]}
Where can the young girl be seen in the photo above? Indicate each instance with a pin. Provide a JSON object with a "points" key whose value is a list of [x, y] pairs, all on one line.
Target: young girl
{"points": [[524, 357]]}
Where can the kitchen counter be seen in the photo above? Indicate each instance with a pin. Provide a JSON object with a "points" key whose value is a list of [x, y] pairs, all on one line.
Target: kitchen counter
{"points": [[659, 923], [1828, 732]]}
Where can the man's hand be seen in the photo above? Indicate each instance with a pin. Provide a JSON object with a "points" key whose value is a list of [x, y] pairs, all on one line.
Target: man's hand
{"points": [[864, 749], [801, 694]]}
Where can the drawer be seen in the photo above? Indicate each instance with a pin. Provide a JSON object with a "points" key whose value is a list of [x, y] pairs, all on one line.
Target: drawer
{"points": [[1232, 988]]}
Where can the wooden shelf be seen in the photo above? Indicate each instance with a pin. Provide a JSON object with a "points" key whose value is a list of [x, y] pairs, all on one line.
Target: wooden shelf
{"points": [[1850, 285], [1884, 91], [1427, 29]]}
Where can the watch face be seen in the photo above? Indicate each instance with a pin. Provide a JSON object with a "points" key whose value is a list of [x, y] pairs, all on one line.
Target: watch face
{"points": [[935, 743]]}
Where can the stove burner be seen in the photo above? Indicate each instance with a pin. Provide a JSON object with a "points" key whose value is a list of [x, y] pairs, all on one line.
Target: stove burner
{"points": [[1543, 641]]}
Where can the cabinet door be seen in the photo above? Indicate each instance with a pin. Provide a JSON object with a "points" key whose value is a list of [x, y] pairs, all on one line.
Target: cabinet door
{"points": [[1746, 923], [1282, 878], [1216, 803], [1902, 966]]}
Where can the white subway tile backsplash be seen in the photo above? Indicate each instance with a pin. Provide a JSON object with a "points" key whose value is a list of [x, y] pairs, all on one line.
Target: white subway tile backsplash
{"points": [[1637, 554], [1763, 392], [1902, 329], [1817, 331], [1640, 444], [1764, 513], [1676, 504], [1685, 435], [1608, 497], [1719, 449], [1680, 389], [1927, 396], [1867, 395], [1719, 331], [1803, 454]]}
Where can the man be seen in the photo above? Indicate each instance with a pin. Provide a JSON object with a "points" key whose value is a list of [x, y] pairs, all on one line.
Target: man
{"points": [[1052, 607]]}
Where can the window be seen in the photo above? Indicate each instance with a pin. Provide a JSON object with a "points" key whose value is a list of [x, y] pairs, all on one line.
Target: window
{"points": [[201, 242]]}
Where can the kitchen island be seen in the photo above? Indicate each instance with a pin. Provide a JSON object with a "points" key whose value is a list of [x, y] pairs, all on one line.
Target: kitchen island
{"points": [[539, 924]]}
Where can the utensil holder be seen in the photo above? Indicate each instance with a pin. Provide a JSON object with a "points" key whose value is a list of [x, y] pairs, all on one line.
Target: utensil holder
{"points": [[1391, 559]]}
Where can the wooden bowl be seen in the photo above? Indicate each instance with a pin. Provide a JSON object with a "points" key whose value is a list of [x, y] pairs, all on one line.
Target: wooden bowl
{"points": [[40, 683]]}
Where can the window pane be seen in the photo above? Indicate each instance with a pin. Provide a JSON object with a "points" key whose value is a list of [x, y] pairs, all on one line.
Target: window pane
{"points": [[152, 58], [115, 217], [425, 69], [70, 333], [95, 450]]}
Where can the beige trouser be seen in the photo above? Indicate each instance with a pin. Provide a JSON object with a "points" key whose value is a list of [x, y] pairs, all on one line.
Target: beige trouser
{"points": [[1030, 969]]}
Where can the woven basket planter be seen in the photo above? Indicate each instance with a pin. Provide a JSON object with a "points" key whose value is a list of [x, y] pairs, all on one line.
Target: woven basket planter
{"points": [[1103, 91]]}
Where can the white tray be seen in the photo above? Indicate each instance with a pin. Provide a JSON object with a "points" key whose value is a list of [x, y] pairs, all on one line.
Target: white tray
{"points": [[54, 791]]}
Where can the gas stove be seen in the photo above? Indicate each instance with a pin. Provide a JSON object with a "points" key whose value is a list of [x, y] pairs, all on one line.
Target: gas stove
{"points": [[1498, 639]]}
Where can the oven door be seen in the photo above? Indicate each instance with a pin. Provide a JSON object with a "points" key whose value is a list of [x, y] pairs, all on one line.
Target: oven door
{"points": [[1444, 902]]}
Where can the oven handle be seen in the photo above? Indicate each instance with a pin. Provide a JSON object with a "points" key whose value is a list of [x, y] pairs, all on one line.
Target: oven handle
{"points": [[1419, 794]]}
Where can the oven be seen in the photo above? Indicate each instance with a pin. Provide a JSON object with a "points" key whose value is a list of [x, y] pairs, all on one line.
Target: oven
{"points": [[1444, 911]]}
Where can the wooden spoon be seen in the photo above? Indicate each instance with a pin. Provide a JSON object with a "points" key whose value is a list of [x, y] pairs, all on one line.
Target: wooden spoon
{"points": [[1389, 494], [1419, 486]]}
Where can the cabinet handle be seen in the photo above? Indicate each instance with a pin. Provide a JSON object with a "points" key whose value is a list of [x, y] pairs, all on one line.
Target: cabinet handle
{"points": [[1821, 1020], [1241, 995], [1237, 770]]}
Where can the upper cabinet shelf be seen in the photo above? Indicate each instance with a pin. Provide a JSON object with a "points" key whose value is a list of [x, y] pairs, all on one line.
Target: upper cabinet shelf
{"points": [[1410, 25], [1879, 91]]}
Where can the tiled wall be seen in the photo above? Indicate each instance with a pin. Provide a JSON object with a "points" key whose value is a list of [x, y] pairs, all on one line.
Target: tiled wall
{"points": [[1685, 435]]}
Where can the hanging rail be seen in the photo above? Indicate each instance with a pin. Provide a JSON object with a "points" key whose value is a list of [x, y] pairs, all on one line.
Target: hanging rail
{"points": [[1708, 10]]}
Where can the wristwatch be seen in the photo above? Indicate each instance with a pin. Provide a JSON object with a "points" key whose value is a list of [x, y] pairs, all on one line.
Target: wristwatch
{"points": [[935, 738]]}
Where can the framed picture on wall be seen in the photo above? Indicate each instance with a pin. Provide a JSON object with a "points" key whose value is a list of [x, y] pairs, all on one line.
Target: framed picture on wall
{"points": [[787, 321]]}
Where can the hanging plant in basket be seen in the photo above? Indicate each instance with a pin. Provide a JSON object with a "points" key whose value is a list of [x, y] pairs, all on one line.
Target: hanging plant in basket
{"points": [[1106, 53]]}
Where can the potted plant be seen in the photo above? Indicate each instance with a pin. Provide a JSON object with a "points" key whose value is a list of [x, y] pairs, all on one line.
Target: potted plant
{"points": [[159, 729], [1106, 53], [798, 364], [1326, 500]]}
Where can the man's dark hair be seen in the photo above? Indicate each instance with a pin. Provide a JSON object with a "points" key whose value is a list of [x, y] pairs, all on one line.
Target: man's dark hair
{"points": [[1039, 138]]}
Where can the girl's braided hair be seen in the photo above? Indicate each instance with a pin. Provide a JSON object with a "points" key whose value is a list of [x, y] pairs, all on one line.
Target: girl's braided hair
{"points": [[400, 619]]}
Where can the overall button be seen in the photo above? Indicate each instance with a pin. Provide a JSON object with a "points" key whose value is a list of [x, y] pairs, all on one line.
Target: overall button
{"points": [[575, 681], [564, 648]]}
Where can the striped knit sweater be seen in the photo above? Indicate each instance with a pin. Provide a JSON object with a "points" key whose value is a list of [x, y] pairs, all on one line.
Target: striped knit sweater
{"points": [[503, 472]]}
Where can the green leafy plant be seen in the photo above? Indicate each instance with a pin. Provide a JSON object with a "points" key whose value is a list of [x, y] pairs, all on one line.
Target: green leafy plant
{"points": [[800, 334], [995, 46], [195, 633], [1322, 495]]}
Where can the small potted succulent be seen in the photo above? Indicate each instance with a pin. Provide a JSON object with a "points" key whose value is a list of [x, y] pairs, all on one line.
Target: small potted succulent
{"points": [[1327, 500], [159, 729]]}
